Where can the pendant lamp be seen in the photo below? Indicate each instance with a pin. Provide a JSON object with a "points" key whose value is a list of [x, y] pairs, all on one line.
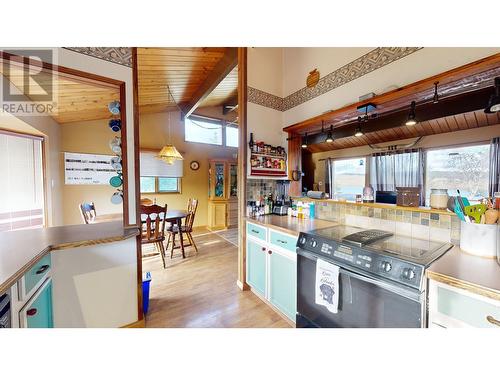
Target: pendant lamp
{"points": [[169, 153]]}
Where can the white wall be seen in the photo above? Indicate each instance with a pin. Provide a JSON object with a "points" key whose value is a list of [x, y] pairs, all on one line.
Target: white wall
{"points": [[265, 73], [426, 62]]}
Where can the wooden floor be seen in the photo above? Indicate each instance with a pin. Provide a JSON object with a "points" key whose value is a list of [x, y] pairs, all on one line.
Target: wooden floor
{"points": [[200, 291]]}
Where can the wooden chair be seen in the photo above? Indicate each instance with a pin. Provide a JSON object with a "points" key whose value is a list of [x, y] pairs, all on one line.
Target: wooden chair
{"points": [[186, 229], [153, 227], [88, 212]]}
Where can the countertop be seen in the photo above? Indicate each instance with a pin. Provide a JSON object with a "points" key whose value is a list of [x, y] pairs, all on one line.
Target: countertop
{"points": [[475, 274], [291, 225], [20, 250]]}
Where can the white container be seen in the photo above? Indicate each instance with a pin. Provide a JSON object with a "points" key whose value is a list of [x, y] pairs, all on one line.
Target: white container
{"points": [[439, 198], [479, 239]]}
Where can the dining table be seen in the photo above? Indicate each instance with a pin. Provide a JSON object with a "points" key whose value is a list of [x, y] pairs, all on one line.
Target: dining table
{"points": [[173, 216]]}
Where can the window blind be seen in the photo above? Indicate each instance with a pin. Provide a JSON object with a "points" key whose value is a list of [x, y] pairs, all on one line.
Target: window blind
{"points": [[151, 166], [21, 188]]}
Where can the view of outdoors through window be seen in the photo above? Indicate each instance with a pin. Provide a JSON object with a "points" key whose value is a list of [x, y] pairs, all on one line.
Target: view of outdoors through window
{"points": [[168, 184], [463, 168], [147, 184], [231, 136], [203, 132], [349, 177]]}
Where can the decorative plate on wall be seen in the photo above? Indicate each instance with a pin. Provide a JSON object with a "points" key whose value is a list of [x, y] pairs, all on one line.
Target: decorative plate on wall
{"points": [[194, 165]]}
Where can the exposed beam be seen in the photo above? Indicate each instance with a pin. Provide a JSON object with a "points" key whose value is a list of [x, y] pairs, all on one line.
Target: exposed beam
{"points": [[467, 102], [225, 65]]}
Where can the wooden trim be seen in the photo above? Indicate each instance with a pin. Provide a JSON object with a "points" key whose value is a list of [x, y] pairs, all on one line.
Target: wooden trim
{"points": [[482, 65], [225, 65], [464, 285], [242, 166], [135, 77], [16, 133], [295, 163], [141, 323], [123, 134], [68, 73]]}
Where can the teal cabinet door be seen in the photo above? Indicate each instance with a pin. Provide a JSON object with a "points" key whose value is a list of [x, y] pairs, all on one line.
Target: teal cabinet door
{"points": [[39, 312], [283, 284], [256, 267]]}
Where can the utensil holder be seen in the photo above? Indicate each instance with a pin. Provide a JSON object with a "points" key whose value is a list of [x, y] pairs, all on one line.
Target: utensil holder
{"points": [[480, 239]]}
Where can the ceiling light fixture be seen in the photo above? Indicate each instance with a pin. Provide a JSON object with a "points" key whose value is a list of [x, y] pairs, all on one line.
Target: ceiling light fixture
{"points": [[304, 142], [435, 100], [412, 118], [329, 137], [359, 131], [494, 102], [169, 153]]}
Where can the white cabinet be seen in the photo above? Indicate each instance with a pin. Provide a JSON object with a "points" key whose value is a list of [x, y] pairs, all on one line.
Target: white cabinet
{"points": [[451, 307]]}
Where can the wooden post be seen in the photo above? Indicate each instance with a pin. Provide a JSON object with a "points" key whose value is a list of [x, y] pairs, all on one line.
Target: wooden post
{"points": [[242, 166]]}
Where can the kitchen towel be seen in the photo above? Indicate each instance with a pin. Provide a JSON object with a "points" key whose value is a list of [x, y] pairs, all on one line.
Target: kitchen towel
{"points": [[316, 194], [327, 285]]}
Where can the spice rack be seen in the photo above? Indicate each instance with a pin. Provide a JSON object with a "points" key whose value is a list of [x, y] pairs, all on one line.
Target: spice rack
{"points": [[267, 160]]}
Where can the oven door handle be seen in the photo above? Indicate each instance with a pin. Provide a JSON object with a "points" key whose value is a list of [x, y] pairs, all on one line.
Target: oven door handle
{"points": [[401, 291]]}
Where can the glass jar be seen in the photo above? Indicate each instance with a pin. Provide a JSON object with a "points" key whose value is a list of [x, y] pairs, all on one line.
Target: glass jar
{"points": [[439, 198]]}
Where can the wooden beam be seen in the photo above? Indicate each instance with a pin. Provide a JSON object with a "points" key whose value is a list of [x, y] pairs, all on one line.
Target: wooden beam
{"points": [[295, 164], [451, 82], [220, 71], [464, 103]]}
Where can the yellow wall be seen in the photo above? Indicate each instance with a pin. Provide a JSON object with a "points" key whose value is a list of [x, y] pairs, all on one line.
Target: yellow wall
{"points": [[90, 137], [154, 135]]}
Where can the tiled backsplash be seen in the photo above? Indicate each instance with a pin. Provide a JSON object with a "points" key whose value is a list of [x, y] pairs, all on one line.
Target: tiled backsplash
{"points": [[257, 188], [433, 226]]}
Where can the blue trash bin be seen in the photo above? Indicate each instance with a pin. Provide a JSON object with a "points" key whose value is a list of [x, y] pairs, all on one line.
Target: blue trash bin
{"points": [[146, 281]]}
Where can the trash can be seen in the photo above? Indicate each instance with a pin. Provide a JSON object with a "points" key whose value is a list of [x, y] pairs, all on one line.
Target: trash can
{"points": [[146, 281]]}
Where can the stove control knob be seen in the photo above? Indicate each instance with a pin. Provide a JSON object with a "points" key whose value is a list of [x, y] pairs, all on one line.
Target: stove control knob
{"points": [[386, 265], [408, 273], [303, 240], [314, 243]]}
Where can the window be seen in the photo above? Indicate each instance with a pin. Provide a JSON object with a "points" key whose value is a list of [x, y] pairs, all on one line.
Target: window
{"points": [[348, 177], [231, 136], [21, 190], [201, 131], [463, 168], [160, 185]]}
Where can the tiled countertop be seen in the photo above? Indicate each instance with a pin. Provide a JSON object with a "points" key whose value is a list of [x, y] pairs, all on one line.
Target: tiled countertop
{"points": [[475, 274], [20, 250], [291, 225]]}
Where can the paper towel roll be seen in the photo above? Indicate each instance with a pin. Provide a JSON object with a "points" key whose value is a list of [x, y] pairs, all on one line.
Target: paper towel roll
{"points": [[316, 194]]}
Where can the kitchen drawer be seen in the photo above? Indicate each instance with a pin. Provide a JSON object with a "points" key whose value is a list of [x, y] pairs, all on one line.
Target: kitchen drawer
{"points": [[476, 312], [256, 231], [34, 276], [283, 241]]}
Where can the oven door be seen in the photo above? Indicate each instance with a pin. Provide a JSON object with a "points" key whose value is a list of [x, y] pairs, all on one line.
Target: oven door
{"points": [[364, 302]]}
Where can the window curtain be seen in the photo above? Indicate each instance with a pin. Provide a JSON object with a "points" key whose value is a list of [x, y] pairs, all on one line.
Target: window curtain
{"points": [[494, 180], [402, 168], [329, 177]]}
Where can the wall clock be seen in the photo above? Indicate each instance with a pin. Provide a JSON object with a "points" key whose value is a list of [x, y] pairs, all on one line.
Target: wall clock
{"points": [[194, 165]]}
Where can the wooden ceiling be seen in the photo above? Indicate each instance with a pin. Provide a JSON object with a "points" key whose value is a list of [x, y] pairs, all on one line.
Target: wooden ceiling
{"points": [[185, 71], [76, 99], [446, 124]]}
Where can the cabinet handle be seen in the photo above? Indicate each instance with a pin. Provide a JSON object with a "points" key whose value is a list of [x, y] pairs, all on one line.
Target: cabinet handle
{"points": [[281, 241], [492, 320], [263, 249], [31, 312], [269, 252], [254, 231], [42, 269]]}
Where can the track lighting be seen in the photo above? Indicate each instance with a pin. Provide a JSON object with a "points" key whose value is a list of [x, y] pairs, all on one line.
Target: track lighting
{"points": [[435, 100], [329, 137], [359, 131], [494, 102], [412, 119], [304, 142]]}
